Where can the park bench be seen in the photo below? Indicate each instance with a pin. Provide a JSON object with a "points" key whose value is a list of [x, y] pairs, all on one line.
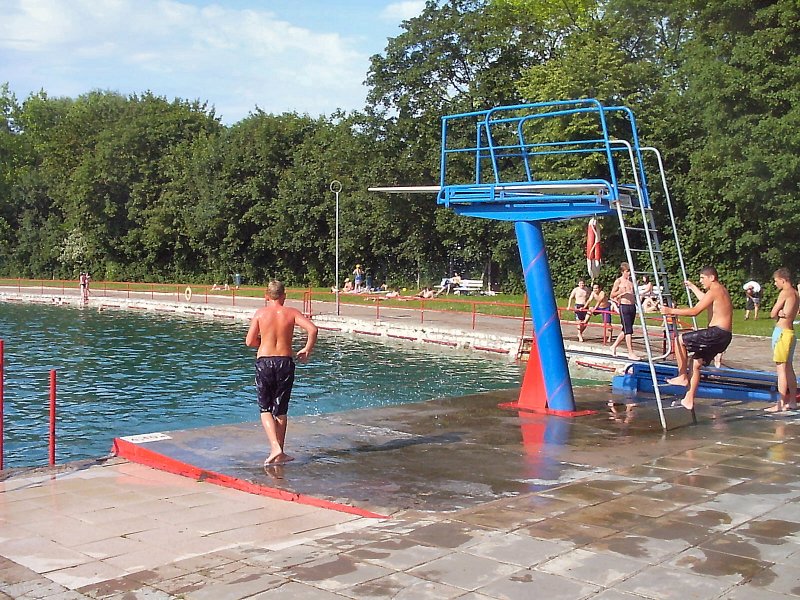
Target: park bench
{"points": [[469, 286]]}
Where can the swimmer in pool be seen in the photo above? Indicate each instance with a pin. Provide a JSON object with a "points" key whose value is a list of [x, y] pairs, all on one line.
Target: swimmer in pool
{"points": [[271, 331]]}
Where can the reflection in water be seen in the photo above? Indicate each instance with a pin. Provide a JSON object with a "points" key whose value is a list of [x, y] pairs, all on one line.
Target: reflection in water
{"points": [[122, 373]]}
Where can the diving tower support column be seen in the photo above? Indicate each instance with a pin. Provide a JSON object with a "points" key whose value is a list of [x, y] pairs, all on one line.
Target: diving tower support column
{"points": [[547, 384]]}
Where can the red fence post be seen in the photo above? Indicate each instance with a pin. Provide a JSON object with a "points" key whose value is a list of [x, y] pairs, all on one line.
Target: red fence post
{"points": [[524, 310], [52, 417], [2, 383]]}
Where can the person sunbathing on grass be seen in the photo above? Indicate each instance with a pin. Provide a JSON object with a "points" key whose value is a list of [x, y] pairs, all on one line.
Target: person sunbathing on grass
{"points": [[702, 344]]}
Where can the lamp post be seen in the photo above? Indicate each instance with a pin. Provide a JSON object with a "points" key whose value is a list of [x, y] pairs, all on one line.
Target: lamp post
{"points": [[336, 187]]}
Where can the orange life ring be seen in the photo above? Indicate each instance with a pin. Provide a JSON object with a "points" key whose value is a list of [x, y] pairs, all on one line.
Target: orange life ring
{"points": [[593, 241]]}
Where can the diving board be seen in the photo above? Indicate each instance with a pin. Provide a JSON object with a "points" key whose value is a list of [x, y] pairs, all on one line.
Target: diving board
{"points": [[539, 162]]}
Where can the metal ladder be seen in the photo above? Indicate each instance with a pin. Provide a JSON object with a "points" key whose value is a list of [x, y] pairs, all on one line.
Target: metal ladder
{"points": [[645, 256]]}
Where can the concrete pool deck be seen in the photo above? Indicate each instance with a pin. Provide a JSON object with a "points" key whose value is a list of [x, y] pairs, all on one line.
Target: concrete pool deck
{"points": [[480, 503]]}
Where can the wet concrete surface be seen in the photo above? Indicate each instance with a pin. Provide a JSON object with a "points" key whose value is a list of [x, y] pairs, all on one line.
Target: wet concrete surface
{"points": [[452, 454], [485, 504]]}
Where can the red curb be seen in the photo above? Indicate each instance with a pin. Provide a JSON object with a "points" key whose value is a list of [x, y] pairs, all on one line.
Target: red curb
{"points": [[546, 411], [487, 349], [440, 342], [150, 458]]}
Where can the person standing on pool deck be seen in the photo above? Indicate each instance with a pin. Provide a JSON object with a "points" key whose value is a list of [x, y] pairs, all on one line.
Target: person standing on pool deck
{"points": [[622, 294], [580, 295], [704, 344], [271, 331], [784, 341]]}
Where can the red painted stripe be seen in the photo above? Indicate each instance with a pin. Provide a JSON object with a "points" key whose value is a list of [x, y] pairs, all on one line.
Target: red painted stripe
{"points": [[487, 349], [144, 456], [401, 337], [440, 342], [595, 366], [546, 411], [329, 328]]}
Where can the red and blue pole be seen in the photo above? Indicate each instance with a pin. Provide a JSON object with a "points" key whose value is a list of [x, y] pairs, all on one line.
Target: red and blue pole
{"points": [[547, 384]]}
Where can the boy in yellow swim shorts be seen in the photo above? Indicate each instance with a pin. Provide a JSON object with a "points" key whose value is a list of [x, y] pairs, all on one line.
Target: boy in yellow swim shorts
{"points": [[783, 340]]}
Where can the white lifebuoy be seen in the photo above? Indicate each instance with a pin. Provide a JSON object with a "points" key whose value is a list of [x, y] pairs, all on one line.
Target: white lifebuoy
{"points": [[187, 293]]}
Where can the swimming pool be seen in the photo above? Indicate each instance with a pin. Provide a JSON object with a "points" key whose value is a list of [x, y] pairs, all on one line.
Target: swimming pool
{"points": [[123, 373]]}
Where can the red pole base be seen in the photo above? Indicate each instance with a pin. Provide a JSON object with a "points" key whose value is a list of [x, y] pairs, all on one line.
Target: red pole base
{"points": [[546, 411]]}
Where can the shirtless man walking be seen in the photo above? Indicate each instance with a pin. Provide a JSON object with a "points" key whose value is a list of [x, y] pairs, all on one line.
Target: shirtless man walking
{"points": [[622, 293], [580, 295], [704, 344], [271, 331], [783, 340]]}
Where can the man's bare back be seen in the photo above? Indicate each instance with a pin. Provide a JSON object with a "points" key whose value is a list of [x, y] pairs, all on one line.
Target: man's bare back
{"points": [[272, 329]]}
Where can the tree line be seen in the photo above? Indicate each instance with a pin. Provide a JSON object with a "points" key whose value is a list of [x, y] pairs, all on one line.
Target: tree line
{"points": [[144, 188]]}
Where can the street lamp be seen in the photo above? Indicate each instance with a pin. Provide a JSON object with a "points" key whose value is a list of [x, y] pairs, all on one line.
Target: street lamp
{"points": [[336, 187]]}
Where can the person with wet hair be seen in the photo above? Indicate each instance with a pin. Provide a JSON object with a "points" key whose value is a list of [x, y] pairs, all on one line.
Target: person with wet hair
{"points": [[271, 331]]}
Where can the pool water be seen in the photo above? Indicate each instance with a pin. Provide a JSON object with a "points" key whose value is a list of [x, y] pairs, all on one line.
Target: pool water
{"points": [[123, 373]]}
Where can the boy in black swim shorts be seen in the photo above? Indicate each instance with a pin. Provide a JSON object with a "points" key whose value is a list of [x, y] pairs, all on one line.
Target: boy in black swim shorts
{"points": [[704, 344], [274, 381], [271, 331]]}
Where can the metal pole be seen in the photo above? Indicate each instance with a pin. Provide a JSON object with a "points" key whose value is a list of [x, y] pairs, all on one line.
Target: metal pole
{"points": [[52, 417], [336, 187], [2, 400]]}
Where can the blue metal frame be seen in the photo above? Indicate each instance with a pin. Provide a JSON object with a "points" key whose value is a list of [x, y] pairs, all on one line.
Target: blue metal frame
{"points": [[513, 201], [528, 201]]}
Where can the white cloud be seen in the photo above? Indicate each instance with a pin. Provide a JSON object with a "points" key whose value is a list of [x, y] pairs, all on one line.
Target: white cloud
{"points": [[233, 58], [402, 11]]}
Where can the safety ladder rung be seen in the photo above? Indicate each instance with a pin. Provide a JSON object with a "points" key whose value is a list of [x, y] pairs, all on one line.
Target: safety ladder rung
{"points": [[641, 229], [646, 250]]}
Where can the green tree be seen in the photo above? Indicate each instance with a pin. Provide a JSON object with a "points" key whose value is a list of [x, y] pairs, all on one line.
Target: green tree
{"points": [[742, 86]]}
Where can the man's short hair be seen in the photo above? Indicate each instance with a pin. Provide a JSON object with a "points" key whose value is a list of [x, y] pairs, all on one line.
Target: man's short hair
{"points": [[783, 273], [275, 289], [710, 271], [624, 267]]}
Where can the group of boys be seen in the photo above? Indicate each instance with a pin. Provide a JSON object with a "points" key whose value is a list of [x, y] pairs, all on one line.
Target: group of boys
{"points": [[695, 348]]}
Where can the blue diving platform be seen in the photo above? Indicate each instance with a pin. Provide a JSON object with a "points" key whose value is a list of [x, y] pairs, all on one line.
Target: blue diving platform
{"points": [[715, 383], [516, 163]]}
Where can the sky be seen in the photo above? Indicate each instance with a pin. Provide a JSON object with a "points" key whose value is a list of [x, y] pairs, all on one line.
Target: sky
{"points": [[304, 56]]}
